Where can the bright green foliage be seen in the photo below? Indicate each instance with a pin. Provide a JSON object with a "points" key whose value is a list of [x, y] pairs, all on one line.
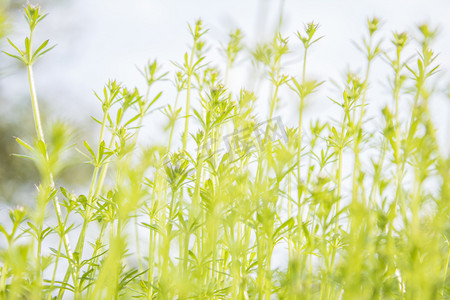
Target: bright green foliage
{"points": [[208, 222]]}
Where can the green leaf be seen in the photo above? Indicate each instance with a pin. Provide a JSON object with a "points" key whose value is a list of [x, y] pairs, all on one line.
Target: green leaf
{"points": [[24, 144], [289, 223], [15, 47], [16, 57], [3, 230], [90, 150], [37, 53]]}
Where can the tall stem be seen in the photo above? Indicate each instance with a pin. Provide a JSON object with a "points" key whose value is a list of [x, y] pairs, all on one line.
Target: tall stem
{"points": [[34, 102], [299, 150], [40, 135], [188, 93]]}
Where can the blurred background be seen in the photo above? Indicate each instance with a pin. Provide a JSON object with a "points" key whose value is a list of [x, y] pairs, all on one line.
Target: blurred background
{"points": [[109, 39]]}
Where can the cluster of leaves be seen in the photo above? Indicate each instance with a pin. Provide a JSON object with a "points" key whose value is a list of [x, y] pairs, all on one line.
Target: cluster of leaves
{"points": [[209, 222]]}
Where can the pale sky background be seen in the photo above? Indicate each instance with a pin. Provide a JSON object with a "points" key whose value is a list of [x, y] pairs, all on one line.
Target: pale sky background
{"points": [[106, 39]]}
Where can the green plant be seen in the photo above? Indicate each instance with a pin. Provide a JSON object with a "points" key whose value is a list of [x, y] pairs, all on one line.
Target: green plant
{"points": [[215, 218]]}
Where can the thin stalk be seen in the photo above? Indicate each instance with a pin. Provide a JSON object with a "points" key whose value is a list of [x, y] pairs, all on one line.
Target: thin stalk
{"points": [[92, 188], [299, 150], [87, 216], [377, 175], [337, 206], [188, 93], [356, 149], [39, 261], [397, 157], [289, 211], [58, 255], [172, 127], [151, 248], [35, 104], [4, 275], [445, 270], [128, 161], [40, 135]]}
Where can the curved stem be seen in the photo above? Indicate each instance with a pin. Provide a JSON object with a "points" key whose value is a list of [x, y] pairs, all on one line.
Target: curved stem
{"points": [[40, 135]]}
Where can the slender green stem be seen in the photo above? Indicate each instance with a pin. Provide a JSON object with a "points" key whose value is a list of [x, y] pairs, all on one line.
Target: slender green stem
{"points": [[40, 135], [188, 93], [173, 123], [35, 105], [447, 261], [299, 150]]}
